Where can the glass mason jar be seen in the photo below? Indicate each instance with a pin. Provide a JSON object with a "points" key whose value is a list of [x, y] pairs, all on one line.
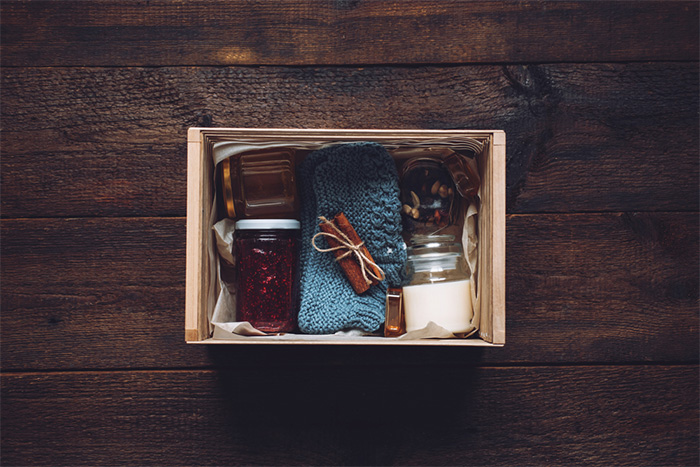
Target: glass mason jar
{"points": [[266, 252], [439, 286], [260, 184], [432, 186], [427, 195]]}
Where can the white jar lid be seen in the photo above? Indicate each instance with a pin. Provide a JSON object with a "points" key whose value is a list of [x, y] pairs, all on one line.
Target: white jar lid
{"points": [[267, 224]]}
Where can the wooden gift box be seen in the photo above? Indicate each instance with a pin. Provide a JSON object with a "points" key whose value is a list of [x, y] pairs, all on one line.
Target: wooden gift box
{"points": [[201, 273]]}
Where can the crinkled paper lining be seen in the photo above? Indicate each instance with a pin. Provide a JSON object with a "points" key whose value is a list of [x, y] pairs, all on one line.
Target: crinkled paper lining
{"points": [[223, 319]]}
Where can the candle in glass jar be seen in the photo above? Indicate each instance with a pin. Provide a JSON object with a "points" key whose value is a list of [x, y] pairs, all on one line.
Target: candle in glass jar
{"points": [[447, 304], [439, 286]]}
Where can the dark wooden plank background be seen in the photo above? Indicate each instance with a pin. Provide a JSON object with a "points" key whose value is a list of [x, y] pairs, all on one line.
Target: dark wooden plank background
{"points": [[600, 104]]}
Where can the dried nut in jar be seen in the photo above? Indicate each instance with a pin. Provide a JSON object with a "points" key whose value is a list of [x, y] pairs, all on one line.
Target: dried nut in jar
{"points": [[436, 186], [415, 199], [425, 185]]}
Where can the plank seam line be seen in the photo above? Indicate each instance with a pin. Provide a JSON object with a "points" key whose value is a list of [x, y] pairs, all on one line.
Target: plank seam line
{"points": [[335, 366], [364, 64], [515, 214]]}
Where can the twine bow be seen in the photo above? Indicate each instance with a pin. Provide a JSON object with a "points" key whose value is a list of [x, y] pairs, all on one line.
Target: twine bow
{"points": [[352, 249]]}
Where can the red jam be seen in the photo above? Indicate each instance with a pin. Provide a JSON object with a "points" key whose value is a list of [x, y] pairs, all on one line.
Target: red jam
{"points": [[267, 255]]}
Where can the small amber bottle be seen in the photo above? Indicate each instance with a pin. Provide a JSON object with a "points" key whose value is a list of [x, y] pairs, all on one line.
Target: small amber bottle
{"points": [[394, 322]]}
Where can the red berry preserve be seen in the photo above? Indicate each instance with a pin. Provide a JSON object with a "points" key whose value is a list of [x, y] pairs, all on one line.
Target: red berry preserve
{"points": [[267, 262]]}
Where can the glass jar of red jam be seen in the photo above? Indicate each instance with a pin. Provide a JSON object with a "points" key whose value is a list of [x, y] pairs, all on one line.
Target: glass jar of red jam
{"points": [[266, 252]]}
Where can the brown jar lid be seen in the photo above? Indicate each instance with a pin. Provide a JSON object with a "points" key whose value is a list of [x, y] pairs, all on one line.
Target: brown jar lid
{"points": [[227, 188]]}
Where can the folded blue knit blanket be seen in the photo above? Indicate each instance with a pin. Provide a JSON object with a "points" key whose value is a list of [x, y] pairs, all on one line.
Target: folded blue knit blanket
{"points": [[360, 180]]}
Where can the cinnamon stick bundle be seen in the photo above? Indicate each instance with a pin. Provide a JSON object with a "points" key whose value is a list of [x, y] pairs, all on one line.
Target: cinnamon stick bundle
{"points": [[348, 262]]}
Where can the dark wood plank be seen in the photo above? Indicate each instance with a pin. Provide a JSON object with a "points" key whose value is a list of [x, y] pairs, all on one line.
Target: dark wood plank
{"points": [[350, 415], [95, 286], [95, 180], [111, 142], [293, 32], [622, 285], [109, 293]]}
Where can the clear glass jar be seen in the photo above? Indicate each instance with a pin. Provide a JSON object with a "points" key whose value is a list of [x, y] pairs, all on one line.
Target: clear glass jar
{"points": [[427, 195], [439, 286], [266, 252], [260, 184], [432, 185]]}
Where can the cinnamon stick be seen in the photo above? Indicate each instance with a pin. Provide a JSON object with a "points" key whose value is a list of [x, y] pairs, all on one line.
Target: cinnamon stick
{"points": [[349, 263], [344, 224]]}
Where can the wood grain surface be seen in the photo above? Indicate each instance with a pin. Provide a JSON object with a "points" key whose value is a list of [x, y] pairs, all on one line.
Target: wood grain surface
{"points": [[109, 142], [599, 101], [584, 288], [561, 415], [341, 32]]}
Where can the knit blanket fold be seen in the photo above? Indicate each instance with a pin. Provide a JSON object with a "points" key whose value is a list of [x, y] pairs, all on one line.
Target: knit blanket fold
{"points": [[360, 180]]}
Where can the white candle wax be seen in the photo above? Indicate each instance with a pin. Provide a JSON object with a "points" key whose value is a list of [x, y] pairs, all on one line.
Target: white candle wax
{"points": [[447, 304]]}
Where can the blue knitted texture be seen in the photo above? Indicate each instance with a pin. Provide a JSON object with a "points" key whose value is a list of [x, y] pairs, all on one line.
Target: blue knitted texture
{"points": [[360, 180]]}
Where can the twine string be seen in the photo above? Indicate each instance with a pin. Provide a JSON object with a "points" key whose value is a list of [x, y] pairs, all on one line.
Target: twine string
{"points": [[352, 249]]}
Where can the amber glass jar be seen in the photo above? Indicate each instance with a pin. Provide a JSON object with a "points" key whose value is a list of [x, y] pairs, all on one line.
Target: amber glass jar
{"points": [[260, 184]]}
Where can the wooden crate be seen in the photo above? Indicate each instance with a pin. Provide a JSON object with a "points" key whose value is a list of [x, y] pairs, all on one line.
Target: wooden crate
{"points": [[201, 273]]}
